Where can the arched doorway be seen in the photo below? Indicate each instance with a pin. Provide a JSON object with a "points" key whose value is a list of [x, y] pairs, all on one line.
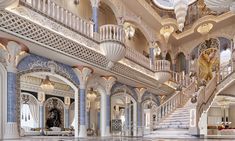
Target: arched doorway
{"points": [[181, 63], [65, 82], [124, 114]]}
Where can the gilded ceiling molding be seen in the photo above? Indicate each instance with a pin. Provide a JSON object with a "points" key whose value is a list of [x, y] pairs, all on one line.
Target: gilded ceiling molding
{"points": [[226, 32]]}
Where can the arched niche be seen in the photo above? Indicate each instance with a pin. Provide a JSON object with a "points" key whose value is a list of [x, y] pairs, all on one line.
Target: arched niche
{"points": [[180, 63], [3, 98], [124, 108], [106, 15], [54, 112], [138, 42], [168, 58], [29, 102]]}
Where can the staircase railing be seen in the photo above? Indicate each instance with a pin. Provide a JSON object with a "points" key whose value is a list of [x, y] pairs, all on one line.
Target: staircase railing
{"points": [[176, 101], [61, 15]]}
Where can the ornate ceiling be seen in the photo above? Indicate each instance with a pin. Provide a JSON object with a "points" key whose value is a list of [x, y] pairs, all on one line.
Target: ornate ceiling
{"points": [[196, 10]]}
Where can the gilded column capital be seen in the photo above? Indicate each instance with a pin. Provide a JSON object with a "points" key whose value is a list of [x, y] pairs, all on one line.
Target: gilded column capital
{"points": [[140, 92], [83, 74], [95, 3], [108, 82]]}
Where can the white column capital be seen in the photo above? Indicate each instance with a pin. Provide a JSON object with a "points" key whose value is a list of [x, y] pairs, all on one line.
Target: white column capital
{"points": [[95, 3], [108, 82], [140, 92], [13, 52], [83, 74]]}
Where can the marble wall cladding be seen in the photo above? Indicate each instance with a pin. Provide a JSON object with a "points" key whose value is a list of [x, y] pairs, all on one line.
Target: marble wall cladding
{"points": [[82, 106], [11, 97]]}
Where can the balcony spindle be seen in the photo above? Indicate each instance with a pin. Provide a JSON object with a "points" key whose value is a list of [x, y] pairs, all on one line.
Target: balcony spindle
{"points": [[39, 5], [44, 6], [49, 7]]}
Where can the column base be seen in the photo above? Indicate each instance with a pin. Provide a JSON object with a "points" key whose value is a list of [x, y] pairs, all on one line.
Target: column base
{"points": [[139, 132], [107, 131], [11, 131], [82, 131]]}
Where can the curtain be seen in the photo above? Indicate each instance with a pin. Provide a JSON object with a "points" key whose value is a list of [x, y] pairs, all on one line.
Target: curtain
{"points": [[34, 109]]}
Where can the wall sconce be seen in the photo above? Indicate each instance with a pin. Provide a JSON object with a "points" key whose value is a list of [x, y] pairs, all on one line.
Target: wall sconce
{"points": [[76, 2], [205, 28], [129, 30], [67, 100], [41, 97]]}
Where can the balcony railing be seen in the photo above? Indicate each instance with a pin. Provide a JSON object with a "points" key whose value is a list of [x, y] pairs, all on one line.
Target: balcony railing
{"points": [[137, 57], [163, 65], [61, 15], [112, 33], [176, 101]]}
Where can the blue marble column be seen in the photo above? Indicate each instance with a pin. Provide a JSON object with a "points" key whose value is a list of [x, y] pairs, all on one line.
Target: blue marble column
{"points": [[95, 18], [41, 118], [139, 111], [11, 97], [108, 106], [82, 107], [66, 113], [127, 117]]}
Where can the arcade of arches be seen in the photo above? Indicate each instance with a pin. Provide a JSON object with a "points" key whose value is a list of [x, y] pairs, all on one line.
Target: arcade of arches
{"points": [[105, 68]]}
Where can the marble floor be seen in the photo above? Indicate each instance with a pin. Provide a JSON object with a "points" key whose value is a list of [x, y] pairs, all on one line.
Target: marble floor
{"points": [[55, 138]]}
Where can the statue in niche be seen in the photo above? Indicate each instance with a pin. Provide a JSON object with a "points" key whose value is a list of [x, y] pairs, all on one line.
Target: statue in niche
{"points": [[208, 61], [54, 115], [53, 119]]}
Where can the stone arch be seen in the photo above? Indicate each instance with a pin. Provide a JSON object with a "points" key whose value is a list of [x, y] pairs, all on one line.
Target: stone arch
{"points": [[149, 96], [37, 64], [180, 61], [3, 98], [121, 88]]}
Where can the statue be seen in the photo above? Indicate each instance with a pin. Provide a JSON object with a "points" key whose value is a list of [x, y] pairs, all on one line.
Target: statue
{"points": [[53, 119]]}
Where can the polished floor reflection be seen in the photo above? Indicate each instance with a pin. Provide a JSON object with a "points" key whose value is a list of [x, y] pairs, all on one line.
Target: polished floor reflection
{"points": [[118, 139]]}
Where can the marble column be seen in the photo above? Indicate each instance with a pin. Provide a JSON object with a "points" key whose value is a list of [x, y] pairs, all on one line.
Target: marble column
{"points": [[108, 82], [11, 130], [66, 117], [103, 112], [140, 92], [83, 74], [152, 54], [95, 14], [41, 118], [127, 118]]}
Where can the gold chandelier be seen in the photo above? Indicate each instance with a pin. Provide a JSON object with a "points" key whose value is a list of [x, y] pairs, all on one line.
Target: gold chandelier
{"points": [[46, 84]]}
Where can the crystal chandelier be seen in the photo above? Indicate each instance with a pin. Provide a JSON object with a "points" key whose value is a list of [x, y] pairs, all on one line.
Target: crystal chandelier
{"points": [[129, 30], [180, 8], [91, 95], [47, 85]]}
